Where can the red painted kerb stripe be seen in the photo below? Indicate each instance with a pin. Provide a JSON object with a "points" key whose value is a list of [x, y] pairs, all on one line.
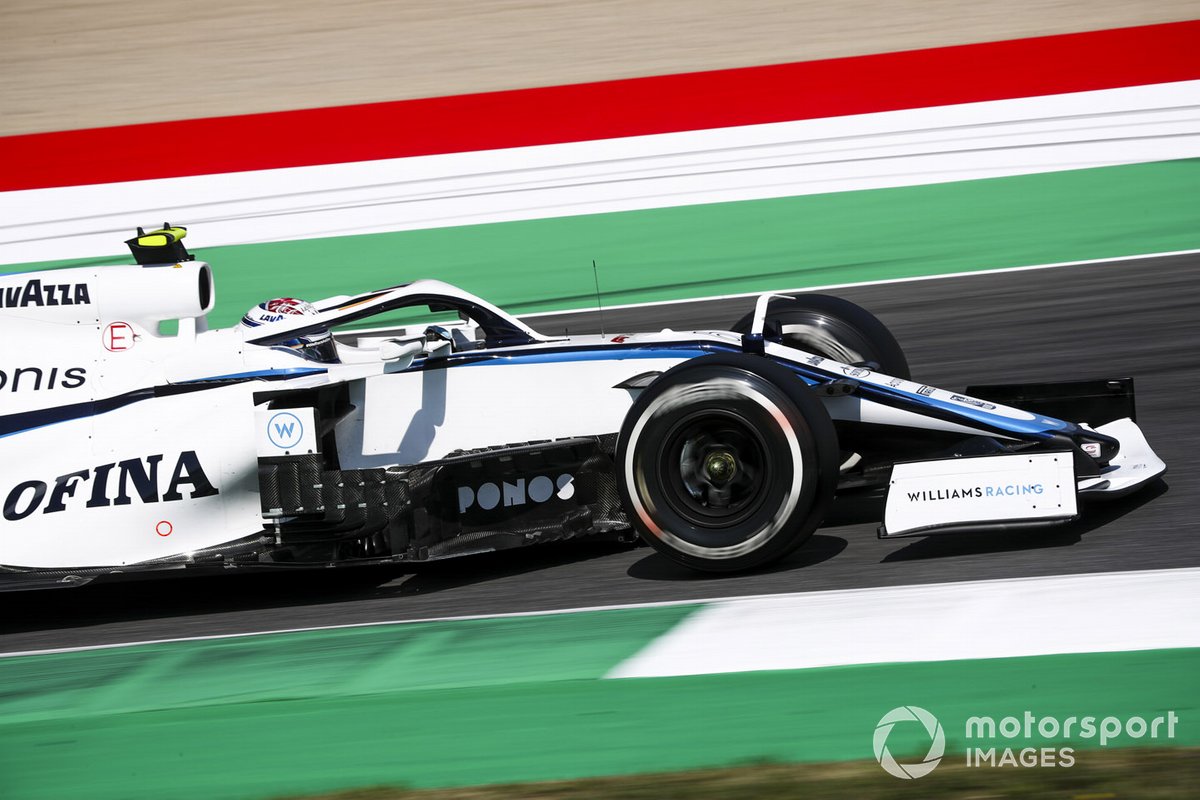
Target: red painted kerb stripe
{"points": [[694, 101]]}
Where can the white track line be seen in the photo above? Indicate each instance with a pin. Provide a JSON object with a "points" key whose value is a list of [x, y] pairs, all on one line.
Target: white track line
{"points": [[832, 595], [831, 286], [881, 282]]}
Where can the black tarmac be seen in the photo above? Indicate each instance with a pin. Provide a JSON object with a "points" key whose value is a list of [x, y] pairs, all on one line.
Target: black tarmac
{"points": [[1139, 318]]}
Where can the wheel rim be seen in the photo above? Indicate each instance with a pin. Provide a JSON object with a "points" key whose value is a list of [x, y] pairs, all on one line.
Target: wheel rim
{"points": [[714, 469]]}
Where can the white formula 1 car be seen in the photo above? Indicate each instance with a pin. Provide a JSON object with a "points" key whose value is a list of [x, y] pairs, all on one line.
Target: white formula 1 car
{"points": [[273, 444]]}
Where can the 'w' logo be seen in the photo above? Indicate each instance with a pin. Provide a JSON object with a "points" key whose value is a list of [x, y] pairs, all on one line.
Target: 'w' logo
{"points": [[285, 430]]}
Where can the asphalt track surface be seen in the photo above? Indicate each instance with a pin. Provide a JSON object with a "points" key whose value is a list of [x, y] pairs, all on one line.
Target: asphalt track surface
{"points": [[1139, 318]]}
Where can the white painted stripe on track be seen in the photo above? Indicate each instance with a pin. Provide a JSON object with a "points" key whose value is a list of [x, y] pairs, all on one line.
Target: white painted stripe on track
{"points": [[855, 284], [838, 154], [832, 286], [1150, 575], [1098, 613]]}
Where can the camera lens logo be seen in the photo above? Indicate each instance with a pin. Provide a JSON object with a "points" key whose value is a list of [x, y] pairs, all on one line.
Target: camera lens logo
{"points": [[937, 744]]}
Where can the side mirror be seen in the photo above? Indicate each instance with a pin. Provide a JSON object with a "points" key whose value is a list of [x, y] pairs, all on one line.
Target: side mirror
{"points": [[437, 333], [401, 352], [439, 342]]}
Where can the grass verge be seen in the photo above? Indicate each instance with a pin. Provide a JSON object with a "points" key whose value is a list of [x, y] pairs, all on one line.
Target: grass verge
{"points": [[1097, 775]]}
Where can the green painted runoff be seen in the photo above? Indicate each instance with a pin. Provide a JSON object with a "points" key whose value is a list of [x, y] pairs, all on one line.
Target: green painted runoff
{"points": [[540, 726]]}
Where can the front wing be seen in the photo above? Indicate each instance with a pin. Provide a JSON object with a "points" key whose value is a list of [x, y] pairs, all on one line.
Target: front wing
{"points": [[1011, 490]]}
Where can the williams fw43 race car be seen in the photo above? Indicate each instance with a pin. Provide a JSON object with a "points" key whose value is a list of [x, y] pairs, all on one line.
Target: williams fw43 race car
{"points": [[134, 439]]}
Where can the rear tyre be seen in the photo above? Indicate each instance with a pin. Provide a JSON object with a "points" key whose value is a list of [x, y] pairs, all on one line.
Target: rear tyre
{"points": [[727, 462], [834, 328]]}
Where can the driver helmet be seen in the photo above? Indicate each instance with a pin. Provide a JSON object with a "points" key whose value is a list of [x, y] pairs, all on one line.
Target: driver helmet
{"points": [[316, 345]]}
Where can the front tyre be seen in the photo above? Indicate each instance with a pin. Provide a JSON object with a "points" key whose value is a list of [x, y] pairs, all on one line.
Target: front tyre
{"points": [[727, 462]]}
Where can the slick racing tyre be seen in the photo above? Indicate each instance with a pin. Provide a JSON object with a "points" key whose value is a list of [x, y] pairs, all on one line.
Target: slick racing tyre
{"points": [[727, 462], [834, 328]]}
